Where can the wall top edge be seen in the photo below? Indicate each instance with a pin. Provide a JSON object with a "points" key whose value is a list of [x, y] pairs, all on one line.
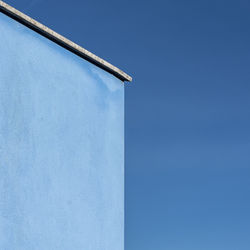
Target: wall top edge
{"points": [[62, 41]]}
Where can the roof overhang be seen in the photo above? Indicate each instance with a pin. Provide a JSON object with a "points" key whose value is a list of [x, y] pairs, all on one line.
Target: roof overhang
{"points": [[62, 41]]}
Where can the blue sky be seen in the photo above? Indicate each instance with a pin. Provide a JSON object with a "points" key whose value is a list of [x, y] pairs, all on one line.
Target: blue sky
{"points": [[187, 112]]}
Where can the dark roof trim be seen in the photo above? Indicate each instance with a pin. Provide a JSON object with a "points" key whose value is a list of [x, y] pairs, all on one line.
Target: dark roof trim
{"points": [[62, 41]]}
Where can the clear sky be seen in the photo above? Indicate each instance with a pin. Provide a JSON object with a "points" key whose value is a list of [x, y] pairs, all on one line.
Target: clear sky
{"points": [[187, 112]]}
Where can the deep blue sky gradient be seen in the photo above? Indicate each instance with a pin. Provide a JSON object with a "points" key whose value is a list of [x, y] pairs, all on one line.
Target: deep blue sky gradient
{"points": [[187, 112]]}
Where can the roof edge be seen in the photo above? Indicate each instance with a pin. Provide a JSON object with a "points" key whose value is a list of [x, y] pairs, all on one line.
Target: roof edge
{"points": [[62, 41]]}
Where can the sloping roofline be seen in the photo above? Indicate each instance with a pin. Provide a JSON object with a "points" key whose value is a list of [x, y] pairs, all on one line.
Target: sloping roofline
{"points": [[62, 41]]}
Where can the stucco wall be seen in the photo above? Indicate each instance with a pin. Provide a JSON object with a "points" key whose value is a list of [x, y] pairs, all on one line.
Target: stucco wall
{"points": [[61, 147]]}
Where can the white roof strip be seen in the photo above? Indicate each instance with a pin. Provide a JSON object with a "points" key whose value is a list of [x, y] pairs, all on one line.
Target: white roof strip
{"points": [[64, 42]]}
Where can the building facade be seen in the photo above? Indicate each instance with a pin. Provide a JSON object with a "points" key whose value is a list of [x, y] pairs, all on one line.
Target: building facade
{"points": [[61, 142]]}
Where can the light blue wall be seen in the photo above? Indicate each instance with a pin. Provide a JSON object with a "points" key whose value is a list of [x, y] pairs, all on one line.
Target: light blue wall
{"points": [[61, 147]]}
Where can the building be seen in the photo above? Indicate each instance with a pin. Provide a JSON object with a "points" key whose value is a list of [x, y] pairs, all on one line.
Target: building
{"points": [[61, 141]]}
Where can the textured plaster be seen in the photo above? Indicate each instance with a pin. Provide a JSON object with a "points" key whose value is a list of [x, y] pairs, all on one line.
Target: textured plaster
{"points": [[61, 147]]}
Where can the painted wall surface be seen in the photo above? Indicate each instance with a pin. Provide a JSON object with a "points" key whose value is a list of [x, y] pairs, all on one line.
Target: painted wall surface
{"points": [[61, 147]]}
